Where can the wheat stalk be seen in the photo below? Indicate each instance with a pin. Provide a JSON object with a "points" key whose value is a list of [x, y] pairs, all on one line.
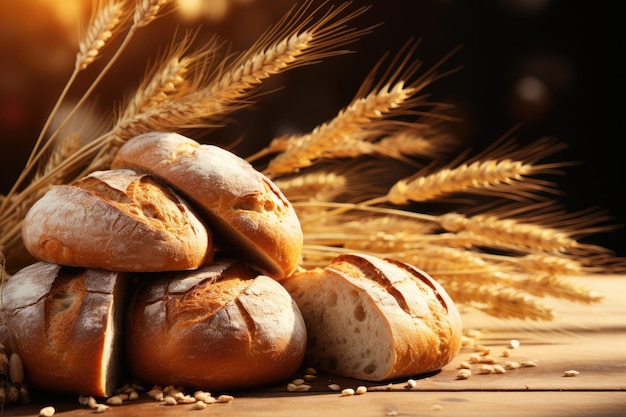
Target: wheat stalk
{"points": [[322, 185], [345, 178]]}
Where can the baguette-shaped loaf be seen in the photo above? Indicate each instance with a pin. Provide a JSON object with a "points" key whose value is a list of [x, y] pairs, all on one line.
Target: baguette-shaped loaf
{"points": [[66, 325], [220, 327], [117, 220], [375, 319], [250, 216]]}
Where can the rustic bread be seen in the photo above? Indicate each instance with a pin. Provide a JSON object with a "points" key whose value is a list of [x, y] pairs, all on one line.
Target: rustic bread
{"points": [[65, 323], [375, 319], [221, 327], [251, 217], [117, 220]]}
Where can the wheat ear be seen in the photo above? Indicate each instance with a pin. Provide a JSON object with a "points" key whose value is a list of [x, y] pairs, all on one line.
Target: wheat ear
{"points": [[297, 40], [362, 120], [504, 303], [105, 20]]}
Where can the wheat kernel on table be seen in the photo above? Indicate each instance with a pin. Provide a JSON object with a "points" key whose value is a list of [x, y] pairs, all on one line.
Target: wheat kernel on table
{"points": [[114, 400], [169, 400], [224, 398], [199, 405], [47, 411], [410, 384], [361, 389], [570, 373], [347, 392], [463, 374], [514, 343], [485, 369], [498, 369], [334, 387]]}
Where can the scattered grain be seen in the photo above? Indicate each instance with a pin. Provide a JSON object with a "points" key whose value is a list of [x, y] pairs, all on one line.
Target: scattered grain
{"points": [[47, 411], [334, 387], [225, 398], [169, 400], [463, 374], [361, 389], [410, 384], [571, 373], [485, 369], [528, 364], [347, 392], [436, 407], [114, 400], [199, 405], [514, 343], [499, 369]]}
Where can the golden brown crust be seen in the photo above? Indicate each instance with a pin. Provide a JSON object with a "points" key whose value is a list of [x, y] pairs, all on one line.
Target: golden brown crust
{"points": [[117, 220], [250, 214], [65, 324], [375, 319], [221, 327]]}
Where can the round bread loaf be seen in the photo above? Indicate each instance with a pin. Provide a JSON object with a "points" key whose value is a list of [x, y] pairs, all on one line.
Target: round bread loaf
{"points": [[375, 319], [221, 327], [250, 216], [117, 220], [66, 325]]}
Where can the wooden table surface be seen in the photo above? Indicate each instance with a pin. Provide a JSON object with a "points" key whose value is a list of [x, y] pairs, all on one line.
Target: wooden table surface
{"points": [[590, 339]]}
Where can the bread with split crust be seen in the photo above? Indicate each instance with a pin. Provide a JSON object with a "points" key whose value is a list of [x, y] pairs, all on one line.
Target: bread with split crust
{"points": [[375, 319], [117, 220], [67, 326], [221, 327], [252, 218]]}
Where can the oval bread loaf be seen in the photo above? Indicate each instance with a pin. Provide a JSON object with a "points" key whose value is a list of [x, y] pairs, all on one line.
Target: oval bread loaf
{"points": [[117, 220], [220, 327], [375, 319], [66, 325], [251, 216]]}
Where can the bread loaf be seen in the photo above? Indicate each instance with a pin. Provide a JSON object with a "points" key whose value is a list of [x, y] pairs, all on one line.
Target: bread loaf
{"points": [[65, 323], [221, 327], [117, 220], [375, 319], [249, 214]]}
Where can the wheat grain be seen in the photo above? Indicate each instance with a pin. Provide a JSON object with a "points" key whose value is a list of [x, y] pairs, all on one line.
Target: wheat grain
{"points": [[360, 121], [555, 265], [294, 42], [147, 10], [100, 30], [321, 186], [352, 121], [491, 229], [445, 181], [545, 285], [504, 303]]}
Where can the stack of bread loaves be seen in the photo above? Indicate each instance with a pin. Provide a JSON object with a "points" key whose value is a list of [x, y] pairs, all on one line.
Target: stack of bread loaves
{"points": [[179, 265]]}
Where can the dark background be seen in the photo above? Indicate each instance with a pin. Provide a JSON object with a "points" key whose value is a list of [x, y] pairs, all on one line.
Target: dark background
{"points": [[571, 48]]}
